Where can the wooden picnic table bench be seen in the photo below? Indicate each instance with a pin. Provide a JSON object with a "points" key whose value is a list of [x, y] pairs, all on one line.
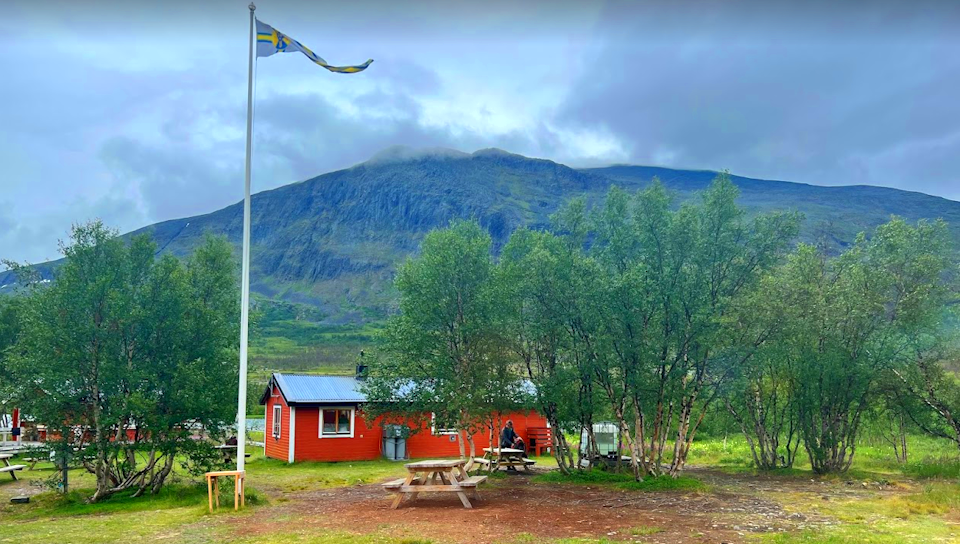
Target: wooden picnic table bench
{"points": [[505, 457], [445, 476], [229, 452], [8, 468]]}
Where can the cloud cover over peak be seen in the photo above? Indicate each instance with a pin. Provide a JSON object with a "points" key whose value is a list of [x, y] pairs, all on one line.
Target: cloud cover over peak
{"points": [[134, 112]]}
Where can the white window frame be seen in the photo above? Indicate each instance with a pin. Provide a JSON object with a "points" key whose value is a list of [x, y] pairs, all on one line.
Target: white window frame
{"points": [[439, 432], [353, 417], [276, 428]]}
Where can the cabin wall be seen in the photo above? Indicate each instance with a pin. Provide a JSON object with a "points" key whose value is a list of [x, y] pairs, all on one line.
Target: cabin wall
{"points": [[426, 444], [365, 443], [273, 447], [367, 439]]}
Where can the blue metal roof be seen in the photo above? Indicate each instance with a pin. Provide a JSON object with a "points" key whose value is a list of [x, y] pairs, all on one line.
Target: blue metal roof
{"points": [[316, 389], [306, 388]]}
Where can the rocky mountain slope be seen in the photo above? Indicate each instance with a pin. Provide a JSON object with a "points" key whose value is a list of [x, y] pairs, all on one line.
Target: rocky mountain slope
{"points": [[332, 242]]}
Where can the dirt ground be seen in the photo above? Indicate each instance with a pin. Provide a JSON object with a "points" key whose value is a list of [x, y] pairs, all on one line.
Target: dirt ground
{"points": [[734, 507]]}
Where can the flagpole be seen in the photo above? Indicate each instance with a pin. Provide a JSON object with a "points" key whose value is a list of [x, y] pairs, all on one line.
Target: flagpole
{"points": [[245, 266]]}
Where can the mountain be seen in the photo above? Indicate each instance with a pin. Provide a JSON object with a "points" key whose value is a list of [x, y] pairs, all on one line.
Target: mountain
{"points": [[333, 242]]}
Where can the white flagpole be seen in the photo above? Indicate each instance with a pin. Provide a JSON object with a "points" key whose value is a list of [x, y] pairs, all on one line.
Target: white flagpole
{"points": [[245, 267]]}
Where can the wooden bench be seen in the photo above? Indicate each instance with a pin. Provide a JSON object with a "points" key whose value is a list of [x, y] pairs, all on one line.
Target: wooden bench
{"points": [[473, 481], [523, 462], [12, 469], [494, 458], [394, 484], [32, 461], [540, 438]]}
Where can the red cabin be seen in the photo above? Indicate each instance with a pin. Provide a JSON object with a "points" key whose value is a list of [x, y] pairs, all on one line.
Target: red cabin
{"points": [[319, 418]]}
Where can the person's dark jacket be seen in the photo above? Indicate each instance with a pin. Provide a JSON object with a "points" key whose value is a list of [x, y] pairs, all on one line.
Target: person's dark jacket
{"points": [[507, 437]]}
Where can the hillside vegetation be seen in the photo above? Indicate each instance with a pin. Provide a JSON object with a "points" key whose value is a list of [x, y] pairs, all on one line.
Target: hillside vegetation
{"points": [[328, 247]]}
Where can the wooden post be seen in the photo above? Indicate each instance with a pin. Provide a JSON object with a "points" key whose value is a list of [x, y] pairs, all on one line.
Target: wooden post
{"points": [[210, 492]]}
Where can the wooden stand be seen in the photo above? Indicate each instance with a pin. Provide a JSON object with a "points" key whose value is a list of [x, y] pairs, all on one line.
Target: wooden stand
{"points": [[213, 487]]}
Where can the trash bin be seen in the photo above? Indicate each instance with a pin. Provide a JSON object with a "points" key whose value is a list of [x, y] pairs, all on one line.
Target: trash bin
{"points": [[395, 442]]}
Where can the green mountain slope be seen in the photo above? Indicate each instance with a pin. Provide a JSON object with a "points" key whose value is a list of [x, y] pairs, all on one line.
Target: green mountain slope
{"points": [[332, 243]]}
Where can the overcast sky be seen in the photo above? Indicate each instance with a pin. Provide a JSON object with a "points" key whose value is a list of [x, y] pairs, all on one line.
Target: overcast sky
{"points": [[134, 111]]}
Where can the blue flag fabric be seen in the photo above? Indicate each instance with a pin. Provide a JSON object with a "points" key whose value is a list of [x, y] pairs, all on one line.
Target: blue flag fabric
{"points": [[271, 41]]}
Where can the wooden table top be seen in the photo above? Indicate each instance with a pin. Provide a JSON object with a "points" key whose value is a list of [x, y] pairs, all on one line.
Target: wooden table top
{"points": [[438, 463], [226, 473], [6, 456], [508, 451]]}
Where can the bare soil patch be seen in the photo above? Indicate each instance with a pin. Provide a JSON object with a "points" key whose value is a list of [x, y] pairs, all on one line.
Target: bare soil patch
{"points": [[733, 508]]}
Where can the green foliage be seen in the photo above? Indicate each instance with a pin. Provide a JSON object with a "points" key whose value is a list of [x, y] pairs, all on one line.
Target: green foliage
{"points": [[442, 355], [10, 311], [121, 340], [545, 285], [651, 326]]}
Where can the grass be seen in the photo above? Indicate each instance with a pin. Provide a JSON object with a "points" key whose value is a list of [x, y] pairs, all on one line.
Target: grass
{"points": [[644, 530], [925, 497], [284, 343], [935, 467], [932, 458], [308, 475], [179, 512], [879, 531]]}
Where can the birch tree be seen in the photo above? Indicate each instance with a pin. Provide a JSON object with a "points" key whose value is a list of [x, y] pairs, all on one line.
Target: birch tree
{"points": [[443, 360], [123, 356], [670, 279]]}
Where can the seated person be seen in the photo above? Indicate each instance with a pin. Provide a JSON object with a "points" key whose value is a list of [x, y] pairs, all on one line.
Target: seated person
{"points": [[510, 439]]}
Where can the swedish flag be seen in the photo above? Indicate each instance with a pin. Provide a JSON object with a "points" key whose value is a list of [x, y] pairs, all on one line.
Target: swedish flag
{"points": [[271, 40]]}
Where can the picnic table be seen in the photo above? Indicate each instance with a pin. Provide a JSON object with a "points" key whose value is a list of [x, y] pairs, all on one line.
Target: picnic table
{"points": [[445, 476], [228, 451], [8, 468], [505, 457]]}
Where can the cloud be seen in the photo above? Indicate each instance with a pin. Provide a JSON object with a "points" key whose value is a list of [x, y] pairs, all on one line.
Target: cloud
{"points": [[772, 98], [145, 121]]}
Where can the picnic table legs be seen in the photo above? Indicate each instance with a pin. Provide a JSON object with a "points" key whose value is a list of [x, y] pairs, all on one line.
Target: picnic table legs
{"points": [[13, 473], [400, 495], [472, 492], [429, 478]]}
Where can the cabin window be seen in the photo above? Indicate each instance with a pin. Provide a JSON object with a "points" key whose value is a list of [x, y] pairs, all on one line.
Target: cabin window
{"points": [[336, 422], [276, 420], [441, 430]]}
